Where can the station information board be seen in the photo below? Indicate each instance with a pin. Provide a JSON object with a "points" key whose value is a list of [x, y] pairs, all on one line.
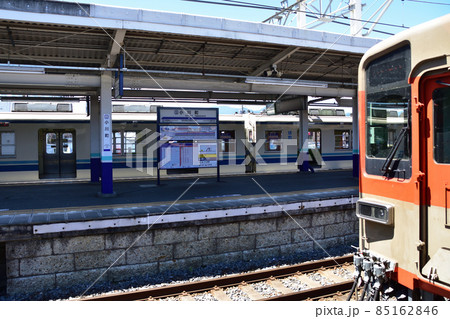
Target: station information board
{"points": [[188, 155], [188, 137]]}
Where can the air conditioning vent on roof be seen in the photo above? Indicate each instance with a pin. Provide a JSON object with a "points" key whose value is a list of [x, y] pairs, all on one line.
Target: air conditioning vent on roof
{"points": [[20, 107], [42, 107], [64, 107], [120, 108]]}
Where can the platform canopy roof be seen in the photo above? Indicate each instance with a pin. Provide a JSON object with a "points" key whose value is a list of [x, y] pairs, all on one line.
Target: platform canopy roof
{"points": [[62, 47]]}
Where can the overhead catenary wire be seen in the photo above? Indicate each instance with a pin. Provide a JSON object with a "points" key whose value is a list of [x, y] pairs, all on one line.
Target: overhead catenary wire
{"points": [[430, 2], [264, 7], [244, 5], [250, 3], [308, 14]]}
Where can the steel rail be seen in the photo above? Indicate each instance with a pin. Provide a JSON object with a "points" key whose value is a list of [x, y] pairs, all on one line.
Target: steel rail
{"points": [[232, 280], [314, 293]]}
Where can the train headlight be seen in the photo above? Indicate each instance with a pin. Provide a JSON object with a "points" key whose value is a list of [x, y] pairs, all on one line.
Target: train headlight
{"points": [[375, 211]]}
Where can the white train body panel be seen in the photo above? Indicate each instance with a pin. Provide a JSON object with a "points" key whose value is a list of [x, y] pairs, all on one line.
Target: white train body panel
{"points": [[27, 125]]}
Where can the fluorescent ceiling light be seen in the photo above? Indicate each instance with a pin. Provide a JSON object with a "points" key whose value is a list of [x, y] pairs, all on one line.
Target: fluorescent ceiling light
{"points": [[38, 98], [287, 82], [19, 69]]}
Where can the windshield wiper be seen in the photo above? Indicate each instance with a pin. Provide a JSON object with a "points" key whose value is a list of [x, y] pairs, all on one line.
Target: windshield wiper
{"points": [[387, 163]]}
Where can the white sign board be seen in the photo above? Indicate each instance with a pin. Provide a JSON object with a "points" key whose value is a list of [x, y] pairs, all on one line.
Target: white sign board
{"points": [[180, 115], [107, 133], [190, 136]]}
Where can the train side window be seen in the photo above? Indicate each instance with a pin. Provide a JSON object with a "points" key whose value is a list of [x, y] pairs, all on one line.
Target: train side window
{"points": [[441, 114], [227, 141], [314, 139], [117, 142], [7, 144], [50, 143], [273, 141], [129, 142], [67, 140], [341, 139], [124, 142]]}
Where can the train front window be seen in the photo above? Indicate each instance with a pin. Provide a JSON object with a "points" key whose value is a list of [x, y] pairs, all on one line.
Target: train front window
{"points": [[441, 114], [384, 129], [388, 95]]}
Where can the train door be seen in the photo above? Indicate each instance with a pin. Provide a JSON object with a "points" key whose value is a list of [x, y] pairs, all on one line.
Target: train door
{"points": [[57, 153], [314, 144], [437, 177]]}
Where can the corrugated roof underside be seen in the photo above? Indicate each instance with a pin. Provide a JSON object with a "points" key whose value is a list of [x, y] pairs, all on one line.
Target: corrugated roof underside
{"points": [[27, 43]]}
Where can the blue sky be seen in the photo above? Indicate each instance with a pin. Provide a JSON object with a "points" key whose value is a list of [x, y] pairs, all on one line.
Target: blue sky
{"points": [[401, 12]]}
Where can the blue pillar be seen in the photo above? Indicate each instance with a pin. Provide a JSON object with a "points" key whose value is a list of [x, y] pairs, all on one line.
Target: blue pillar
{"points": [[355, 164], [107, 178], [96, 166], [355, 134], [106, 134]]}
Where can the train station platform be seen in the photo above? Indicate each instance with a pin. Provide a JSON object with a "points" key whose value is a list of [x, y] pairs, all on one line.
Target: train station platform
{"points": [[57, 206], [62, 202]]}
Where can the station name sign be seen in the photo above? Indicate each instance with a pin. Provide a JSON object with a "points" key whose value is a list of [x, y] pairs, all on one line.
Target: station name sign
{"points": [[189, 137], [171, 115]]}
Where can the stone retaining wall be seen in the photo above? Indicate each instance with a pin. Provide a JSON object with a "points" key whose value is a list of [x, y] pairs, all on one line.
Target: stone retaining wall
{"points": [[61, 260]]}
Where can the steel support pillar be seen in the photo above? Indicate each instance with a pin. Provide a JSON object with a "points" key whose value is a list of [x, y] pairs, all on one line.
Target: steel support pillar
{"points": [[106, 135], [94, 111], [303, 158]]}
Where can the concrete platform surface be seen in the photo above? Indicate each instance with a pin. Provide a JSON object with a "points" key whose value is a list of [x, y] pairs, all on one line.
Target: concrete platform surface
{"points": [[57, 196]]}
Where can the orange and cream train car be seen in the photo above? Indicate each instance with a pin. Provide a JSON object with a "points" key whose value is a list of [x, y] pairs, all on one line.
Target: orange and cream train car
{"points": [[404, 126]]}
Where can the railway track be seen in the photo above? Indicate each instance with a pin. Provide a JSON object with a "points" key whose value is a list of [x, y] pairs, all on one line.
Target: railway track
{"points": [[328, 279]]}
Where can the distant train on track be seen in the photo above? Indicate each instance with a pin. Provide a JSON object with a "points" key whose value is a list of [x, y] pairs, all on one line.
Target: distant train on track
{"points": [[404, 205], [52, 140]]}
